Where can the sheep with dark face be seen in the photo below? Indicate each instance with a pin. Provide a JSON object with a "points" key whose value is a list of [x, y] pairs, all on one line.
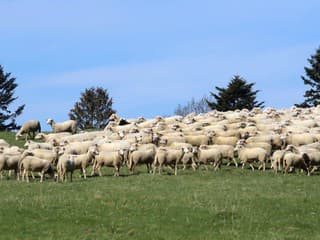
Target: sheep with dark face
{"points": [[27, 128]]}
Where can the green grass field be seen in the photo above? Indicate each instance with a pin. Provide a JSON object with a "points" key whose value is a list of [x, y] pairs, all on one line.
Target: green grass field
{"points": [[229, 204]]}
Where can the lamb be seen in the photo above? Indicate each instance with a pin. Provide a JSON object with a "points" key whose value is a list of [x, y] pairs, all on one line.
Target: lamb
{"points": [[31, 163], [28, 128], [67, 126], [110, 159], [249, 155]]}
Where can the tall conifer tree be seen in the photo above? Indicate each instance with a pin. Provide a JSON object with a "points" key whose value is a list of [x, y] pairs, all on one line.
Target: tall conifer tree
{"points": [[312, 79], [93, 110], [237, 95], [7, 88]]}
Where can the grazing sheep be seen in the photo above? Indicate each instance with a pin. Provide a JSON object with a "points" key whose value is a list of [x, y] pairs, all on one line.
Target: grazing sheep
{"points": [[28, 128], [31, 163], [67, 126]]}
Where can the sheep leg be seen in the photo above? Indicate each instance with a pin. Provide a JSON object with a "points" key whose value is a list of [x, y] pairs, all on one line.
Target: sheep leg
{"points": [[26, 172], [251, 166], [41, 176], [176, 169], [117, 170], [84, 173], [235, 162], [243, 164], [313, 169], [218, 165], [99, 171], [1, 176], [184, 167], [194, 166]]}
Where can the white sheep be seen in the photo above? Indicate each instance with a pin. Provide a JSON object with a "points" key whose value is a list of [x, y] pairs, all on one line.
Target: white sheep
{"points": [[28, 128], [110, 159], [67, 126], [250, 155], [209, 155], [294, 160], [31, 163], [65, 165], [10, 162], [82, 161], [169, 157]]}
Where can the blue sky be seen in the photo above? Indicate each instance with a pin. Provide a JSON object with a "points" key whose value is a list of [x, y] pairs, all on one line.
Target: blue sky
{"points": [[153, 55]]}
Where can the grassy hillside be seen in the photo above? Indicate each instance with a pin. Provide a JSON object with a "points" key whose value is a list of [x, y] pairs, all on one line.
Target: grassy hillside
{"points": [[229, 204], [10, 137]]}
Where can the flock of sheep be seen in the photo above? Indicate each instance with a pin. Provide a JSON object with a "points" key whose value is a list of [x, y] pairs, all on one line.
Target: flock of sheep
{"points": [[287, 139]]}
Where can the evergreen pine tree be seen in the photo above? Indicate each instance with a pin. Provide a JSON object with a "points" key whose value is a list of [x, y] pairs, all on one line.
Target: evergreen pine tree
{"points": [[93, 110], [237, 95], [312, 79], [7, 87]]}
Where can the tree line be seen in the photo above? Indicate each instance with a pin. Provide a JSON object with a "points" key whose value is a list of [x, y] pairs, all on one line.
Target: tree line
{"points": [[94, 107]]}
